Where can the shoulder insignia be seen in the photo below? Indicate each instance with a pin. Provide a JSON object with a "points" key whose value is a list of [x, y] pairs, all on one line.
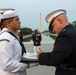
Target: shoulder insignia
{"points": [[38, 34], [5, 40]]}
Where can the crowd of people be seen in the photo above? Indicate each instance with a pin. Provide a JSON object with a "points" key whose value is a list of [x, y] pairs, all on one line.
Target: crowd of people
{"points": [[62, 57]]}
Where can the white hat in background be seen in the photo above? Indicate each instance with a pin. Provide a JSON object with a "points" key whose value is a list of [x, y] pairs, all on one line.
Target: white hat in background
{"points": [[8, 14], [18, 30], [35, 28], [52, 15]]}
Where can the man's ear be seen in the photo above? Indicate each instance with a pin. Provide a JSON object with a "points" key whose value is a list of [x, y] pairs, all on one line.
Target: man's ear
{"points": [[60, 20], [9, 22]]}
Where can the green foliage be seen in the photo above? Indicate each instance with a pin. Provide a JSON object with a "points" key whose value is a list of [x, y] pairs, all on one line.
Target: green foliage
{"points": [[27, 39], [26, 31], [74, 24], [53, 37]]}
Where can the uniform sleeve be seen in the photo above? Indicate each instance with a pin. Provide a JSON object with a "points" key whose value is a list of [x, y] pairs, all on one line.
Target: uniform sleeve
{"points": [[40, 37], [61, 51], [7, 60]]}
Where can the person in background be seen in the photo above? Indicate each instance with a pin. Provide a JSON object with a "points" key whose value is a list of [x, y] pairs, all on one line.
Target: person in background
{"points": [[36, 37], [1, 26], [10, 47], [63, 55], [20, 36]]}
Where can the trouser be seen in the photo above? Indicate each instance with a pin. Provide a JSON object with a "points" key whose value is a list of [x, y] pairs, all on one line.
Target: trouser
{"points": [[36, 48], [60, 71]]}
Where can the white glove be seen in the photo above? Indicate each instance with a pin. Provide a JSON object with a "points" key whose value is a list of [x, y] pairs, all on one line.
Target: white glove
{"points": [[32, 65]]}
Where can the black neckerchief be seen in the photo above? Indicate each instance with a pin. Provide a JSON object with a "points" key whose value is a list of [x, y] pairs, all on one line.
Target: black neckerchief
{"points": [[22, 45]]}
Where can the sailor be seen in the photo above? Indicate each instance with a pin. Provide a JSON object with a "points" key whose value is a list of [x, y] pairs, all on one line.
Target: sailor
{"points": [[10, 47]]}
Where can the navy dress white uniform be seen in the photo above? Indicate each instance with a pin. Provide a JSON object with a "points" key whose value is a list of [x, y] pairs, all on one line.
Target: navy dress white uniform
{"points": [[63, 56], [10, 48], [10, 55]]}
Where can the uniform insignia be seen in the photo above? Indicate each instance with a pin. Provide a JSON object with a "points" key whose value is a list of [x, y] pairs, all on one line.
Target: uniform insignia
{"points": [[5, 40], [38, 34]]}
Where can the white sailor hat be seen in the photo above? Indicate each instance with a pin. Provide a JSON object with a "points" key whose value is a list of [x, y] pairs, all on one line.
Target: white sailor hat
{"points": [[8, 14], [35, 28], [52, 15]]}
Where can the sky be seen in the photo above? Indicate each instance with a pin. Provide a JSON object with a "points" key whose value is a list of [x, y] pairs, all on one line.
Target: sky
{"points": [[29, 10]]}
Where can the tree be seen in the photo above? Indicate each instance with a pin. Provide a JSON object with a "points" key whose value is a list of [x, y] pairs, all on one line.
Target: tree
{"points": [[26, 31], [74, 24]]}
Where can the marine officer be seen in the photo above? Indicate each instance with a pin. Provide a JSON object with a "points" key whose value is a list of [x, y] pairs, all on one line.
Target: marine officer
{"points": [[63, 55]]}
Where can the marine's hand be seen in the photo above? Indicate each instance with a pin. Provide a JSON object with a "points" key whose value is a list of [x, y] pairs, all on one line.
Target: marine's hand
{"points": [[38, 53]]}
